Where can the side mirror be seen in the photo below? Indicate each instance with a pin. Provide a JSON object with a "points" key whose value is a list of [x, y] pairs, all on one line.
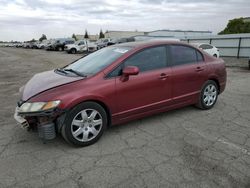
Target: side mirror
{"points": [[129, 71]]}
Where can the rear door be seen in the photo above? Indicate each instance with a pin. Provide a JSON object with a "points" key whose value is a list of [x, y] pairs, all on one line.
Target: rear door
{"points": [[189, 73]]}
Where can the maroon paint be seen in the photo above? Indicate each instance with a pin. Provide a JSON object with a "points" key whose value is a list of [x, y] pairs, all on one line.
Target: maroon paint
{"points": [[136, 97]]}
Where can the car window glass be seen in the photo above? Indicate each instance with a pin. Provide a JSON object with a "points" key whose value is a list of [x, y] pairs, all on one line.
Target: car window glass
{"points": [[183, 55], [149, 59], [199, 56], [98, 60], [116, 72]]}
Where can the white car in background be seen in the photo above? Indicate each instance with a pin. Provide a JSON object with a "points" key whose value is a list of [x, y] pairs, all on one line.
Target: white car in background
{"points": [[42, 44], [210, 49], [80, 46]]}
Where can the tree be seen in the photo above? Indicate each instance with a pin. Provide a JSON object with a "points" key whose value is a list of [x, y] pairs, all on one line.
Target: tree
{"points": [[237, 25], [43, 37], [101, 35], [74, 36], [33, 40], [86, 36]]}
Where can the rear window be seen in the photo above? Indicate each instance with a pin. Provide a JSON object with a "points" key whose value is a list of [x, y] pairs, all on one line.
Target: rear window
{"points": [[182, 55]]}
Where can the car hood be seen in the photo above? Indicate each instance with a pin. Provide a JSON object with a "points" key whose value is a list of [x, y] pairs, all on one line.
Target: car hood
{"points": [[43, 81]]}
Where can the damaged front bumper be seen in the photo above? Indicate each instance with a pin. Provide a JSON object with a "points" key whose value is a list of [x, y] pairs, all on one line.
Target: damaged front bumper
{"points": [[23, 122], [47, 122]]}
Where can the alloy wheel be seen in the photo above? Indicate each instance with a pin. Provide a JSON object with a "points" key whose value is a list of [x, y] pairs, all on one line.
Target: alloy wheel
{"points": [[210, 95], [86, 125]]}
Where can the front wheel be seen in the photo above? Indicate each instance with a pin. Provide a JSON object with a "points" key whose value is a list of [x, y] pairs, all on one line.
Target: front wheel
{"points": [[73, 50], [208, 95], [85, 124]]}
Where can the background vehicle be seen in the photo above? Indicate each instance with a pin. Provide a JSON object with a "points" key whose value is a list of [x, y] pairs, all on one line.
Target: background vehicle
{"points": [[120, 40], [42, 44], [101, 43], [210, 49], [59, 44], [111, 86], [80, 46]]}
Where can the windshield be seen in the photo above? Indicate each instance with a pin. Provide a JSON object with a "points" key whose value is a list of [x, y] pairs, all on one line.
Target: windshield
{"points": [[98, 60], [77, 42]]}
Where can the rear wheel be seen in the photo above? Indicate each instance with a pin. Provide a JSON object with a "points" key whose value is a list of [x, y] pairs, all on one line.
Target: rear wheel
{"points": [[85, 124], [208, 96]]}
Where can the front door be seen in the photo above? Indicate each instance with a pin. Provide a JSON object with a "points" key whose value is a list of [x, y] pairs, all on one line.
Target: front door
{"points": [[150, 89]]}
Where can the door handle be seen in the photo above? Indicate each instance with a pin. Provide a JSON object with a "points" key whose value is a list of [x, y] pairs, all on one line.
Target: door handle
{"points": [[199, 69], [163, 76]]}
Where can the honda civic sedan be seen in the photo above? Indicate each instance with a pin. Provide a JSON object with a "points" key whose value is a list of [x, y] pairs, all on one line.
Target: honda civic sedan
{"points": [[118, 84]]}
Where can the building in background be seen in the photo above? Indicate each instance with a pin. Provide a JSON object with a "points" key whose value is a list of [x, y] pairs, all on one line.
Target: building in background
{"points": [[91, 37], [160, 34], [180, 34], [122, 34]]}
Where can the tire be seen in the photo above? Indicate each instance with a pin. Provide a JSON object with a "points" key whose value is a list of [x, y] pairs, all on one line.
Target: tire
{"points": [[84, 124], [208, 95], [73, 51], [60, 49]]}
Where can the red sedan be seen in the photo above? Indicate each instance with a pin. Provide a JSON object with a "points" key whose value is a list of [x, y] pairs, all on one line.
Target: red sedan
{"points": [[118, 84]]}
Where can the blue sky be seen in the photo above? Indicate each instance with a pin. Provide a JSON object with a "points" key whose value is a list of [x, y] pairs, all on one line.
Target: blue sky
{"points": [[27, 19]]}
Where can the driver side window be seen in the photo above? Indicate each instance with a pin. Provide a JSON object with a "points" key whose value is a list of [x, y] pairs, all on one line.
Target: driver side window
{"points": [[149, 59], [146, 60]]}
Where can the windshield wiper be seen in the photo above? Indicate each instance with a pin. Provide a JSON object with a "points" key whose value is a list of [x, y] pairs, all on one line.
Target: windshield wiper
{"points": [[61, 70], [75, 72]]}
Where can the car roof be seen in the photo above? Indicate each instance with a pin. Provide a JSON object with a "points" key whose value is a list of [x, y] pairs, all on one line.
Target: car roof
{"points": [[141, 44]]}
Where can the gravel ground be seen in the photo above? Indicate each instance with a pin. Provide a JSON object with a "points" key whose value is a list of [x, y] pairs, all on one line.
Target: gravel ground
{"points": [[182, 148]]}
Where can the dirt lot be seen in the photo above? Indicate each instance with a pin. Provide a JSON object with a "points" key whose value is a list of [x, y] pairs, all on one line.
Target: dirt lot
{"points": [[182, 148]]}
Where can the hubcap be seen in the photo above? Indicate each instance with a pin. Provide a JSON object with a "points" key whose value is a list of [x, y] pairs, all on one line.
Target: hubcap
{"points": [[86, 125], [210, 95]]}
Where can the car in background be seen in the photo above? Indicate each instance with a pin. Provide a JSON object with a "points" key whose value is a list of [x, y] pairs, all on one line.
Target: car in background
{"points": [[118, 84], [80, 46], [101, 43], [28, 44], [120, 40], [59, 44], [42, 44], [35, 45], [210, 49]]}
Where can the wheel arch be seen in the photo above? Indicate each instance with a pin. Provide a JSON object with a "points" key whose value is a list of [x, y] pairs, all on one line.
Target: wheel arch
{"points": [[74, 48], [61, 119], [100, 102], [105, 107], [216, 81]]}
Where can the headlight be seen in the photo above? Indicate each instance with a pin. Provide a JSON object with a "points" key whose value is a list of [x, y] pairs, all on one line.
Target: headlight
{"points": [[38, 106]]}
